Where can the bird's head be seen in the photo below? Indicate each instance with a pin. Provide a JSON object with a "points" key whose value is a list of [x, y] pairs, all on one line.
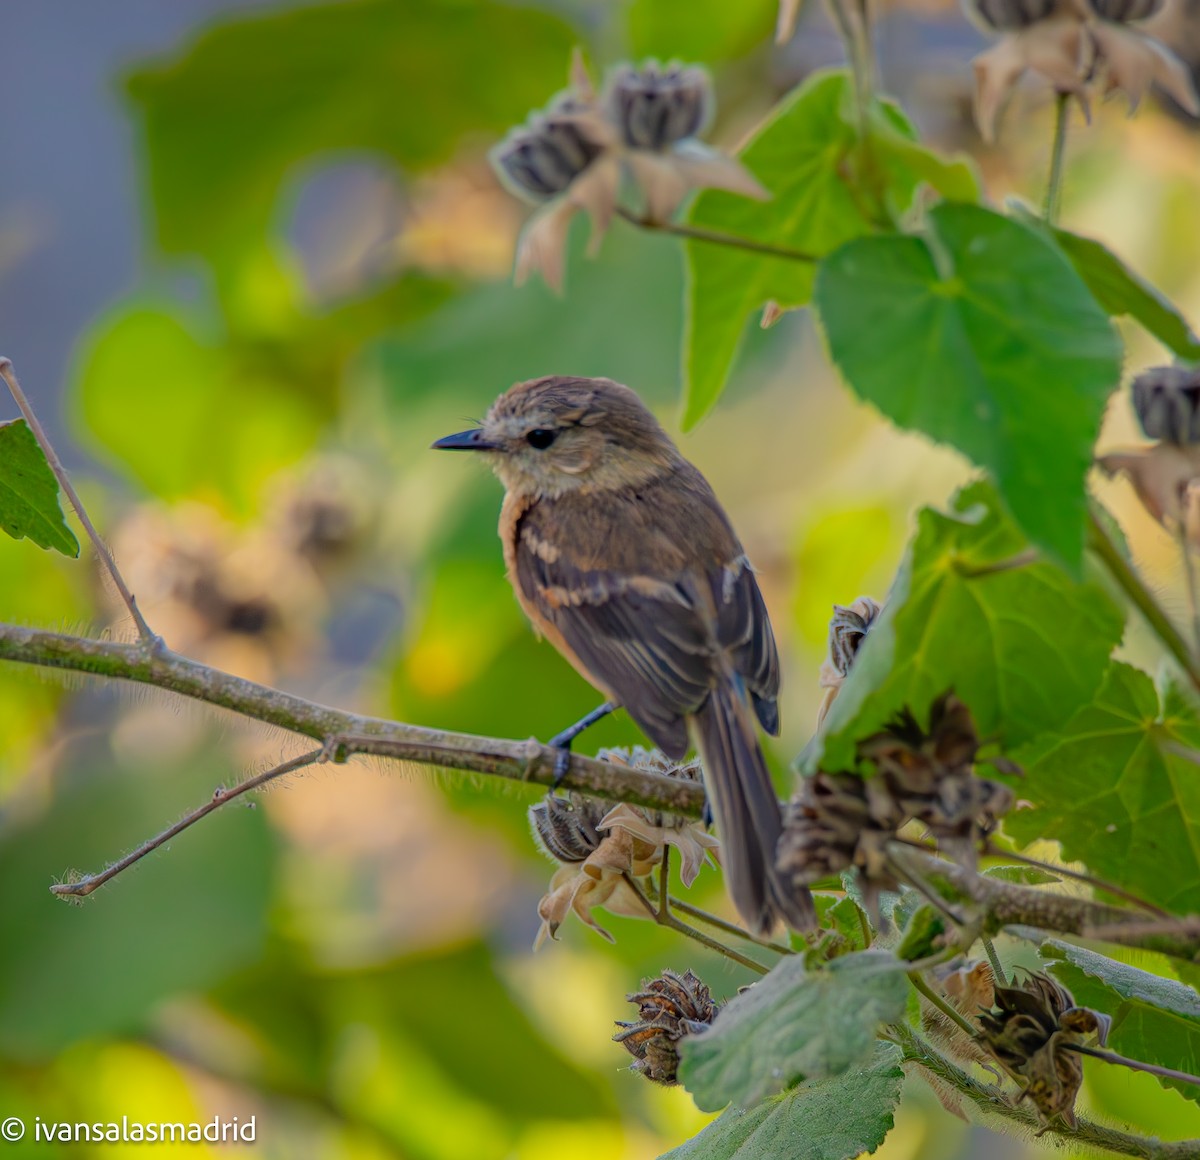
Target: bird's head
{"points": [[558, 434]]}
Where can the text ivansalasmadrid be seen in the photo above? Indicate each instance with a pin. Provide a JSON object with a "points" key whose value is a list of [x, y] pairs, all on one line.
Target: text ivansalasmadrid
{"points": [[125, 1130]]}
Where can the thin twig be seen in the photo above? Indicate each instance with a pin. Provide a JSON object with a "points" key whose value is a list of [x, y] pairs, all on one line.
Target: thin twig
{"points": [[1133, 1064], [64, 481], [664, 884], [718, 923], [1140, 596], [717, 238], [85, 886], [919, 983], [670, 922], [1057, 155]]}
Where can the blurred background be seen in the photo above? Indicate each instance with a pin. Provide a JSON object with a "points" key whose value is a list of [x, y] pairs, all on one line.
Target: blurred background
{"points": [[252, 261]]}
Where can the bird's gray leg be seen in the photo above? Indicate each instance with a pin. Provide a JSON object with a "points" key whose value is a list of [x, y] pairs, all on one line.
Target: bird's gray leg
{"points": [[562, 741]]}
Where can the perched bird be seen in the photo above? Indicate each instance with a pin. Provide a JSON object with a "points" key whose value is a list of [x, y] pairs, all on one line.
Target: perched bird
{"points": [[622, 557]]}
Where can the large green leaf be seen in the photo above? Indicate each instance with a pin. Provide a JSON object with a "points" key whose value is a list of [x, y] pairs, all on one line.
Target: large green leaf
{"points": [[806, 154], [826, 1119], [1118, 786], [1020, 641], [1155, 1020], [980, 334], [1118, 289], [29, 492], [228, 121], [795, 1024]]}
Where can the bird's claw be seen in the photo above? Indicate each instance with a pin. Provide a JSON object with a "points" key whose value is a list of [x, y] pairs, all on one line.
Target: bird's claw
{"points": [[562, 764]]}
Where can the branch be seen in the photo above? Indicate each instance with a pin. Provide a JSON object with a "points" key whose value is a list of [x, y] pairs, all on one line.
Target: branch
{"points": [[995, 1101], [1007, 904], [342, 733], [697, 234]]}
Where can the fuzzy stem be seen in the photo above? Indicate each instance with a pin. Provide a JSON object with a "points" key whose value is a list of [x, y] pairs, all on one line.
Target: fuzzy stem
{"points": [[995, 1101], [1057, 155], [919, 983], [1140, 596]]}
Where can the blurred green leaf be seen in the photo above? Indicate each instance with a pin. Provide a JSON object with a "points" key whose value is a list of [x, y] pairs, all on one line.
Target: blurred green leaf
{"points": [[1155, 1020], [225, 123], [837, 1118], [806, 155], [794, 1024], [699, 30], [1017, 639], [981, 335], [29, 492], [186, 917], [1118, 786]]}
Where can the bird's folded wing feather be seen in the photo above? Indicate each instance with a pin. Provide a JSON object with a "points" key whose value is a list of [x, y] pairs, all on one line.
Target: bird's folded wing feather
{"points": [[659, 636]]}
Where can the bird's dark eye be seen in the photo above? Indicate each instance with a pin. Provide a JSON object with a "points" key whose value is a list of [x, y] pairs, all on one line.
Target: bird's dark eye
{"points": [[541, 438]]}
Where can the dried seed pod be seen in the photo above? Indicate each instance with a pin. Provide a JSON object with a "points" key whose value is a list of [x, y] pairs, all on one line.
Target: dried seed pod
{"points": [[669, 1008], [539, 160], [1126, 11], [1167, 403], [848, 629], [565, 827], [1030, 1032], [1009, 15], [654, 107]]}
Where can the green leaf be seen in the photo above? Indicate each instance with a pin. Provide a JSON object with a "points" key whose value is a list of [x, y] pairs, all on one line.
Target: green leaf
{"points": [[1020, 641], [794, 1024], [1117, 288], [827, 1119], [806, 155], [29, 492], [230, 119], [1118, 786], [981, 335], [1155, 1020]]}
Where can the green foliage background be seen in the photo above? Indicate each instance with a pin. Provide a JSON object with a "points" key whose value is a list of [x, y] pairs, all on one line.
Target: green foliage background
{"points": [[350, 963]]}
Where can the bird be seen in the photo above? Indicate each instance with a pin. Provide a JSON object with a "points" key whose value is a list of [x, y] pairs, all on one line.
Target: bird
{"points": [[622, 557]]}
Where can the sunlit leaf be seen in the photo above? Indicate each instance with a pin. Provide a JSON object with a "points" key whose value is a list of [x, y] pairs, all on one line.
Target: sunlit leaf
{"points": [[806, 155], [826, 1119], [795, 1024], [1155, 1020], [29, 492], [1117, 784], [981, 335], [1016, 638]]}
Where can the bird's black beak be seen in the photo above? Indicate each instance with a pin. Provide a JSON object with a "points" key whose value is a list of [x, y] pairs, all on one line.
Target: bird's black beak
{"points": [[472, 440]]}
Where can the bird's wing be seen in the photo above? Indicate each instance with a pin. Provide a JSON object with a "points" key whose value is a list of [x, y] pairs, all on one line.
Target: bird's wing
{"points": [[664, 625]]}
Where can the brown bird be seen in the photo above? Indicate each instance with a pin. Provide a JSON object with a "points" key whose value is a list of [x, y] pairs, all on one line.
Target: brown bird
{"points": [[622, 557]]}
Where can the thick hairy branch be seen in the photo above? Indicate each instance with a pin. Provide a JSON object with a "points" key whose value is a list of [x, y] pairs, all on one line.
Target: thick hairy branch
{"points": [[345, 733], [995, 1101]]}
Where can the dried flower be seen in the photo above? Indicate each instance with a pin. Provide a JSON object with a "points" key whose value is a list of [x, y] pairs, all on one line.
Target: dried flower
{"points": [[1166, 475], [848, 629], [1167, 403], [841, 820], [1080, 47], [669, 1008], [572, 155], [968, 988], [602, 847], [1028, 1033]]}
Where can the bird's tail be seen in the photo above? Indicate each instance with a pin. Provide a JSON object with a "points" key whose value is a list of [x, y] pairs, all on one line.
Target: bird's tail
{"points": [[747, 814]]}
